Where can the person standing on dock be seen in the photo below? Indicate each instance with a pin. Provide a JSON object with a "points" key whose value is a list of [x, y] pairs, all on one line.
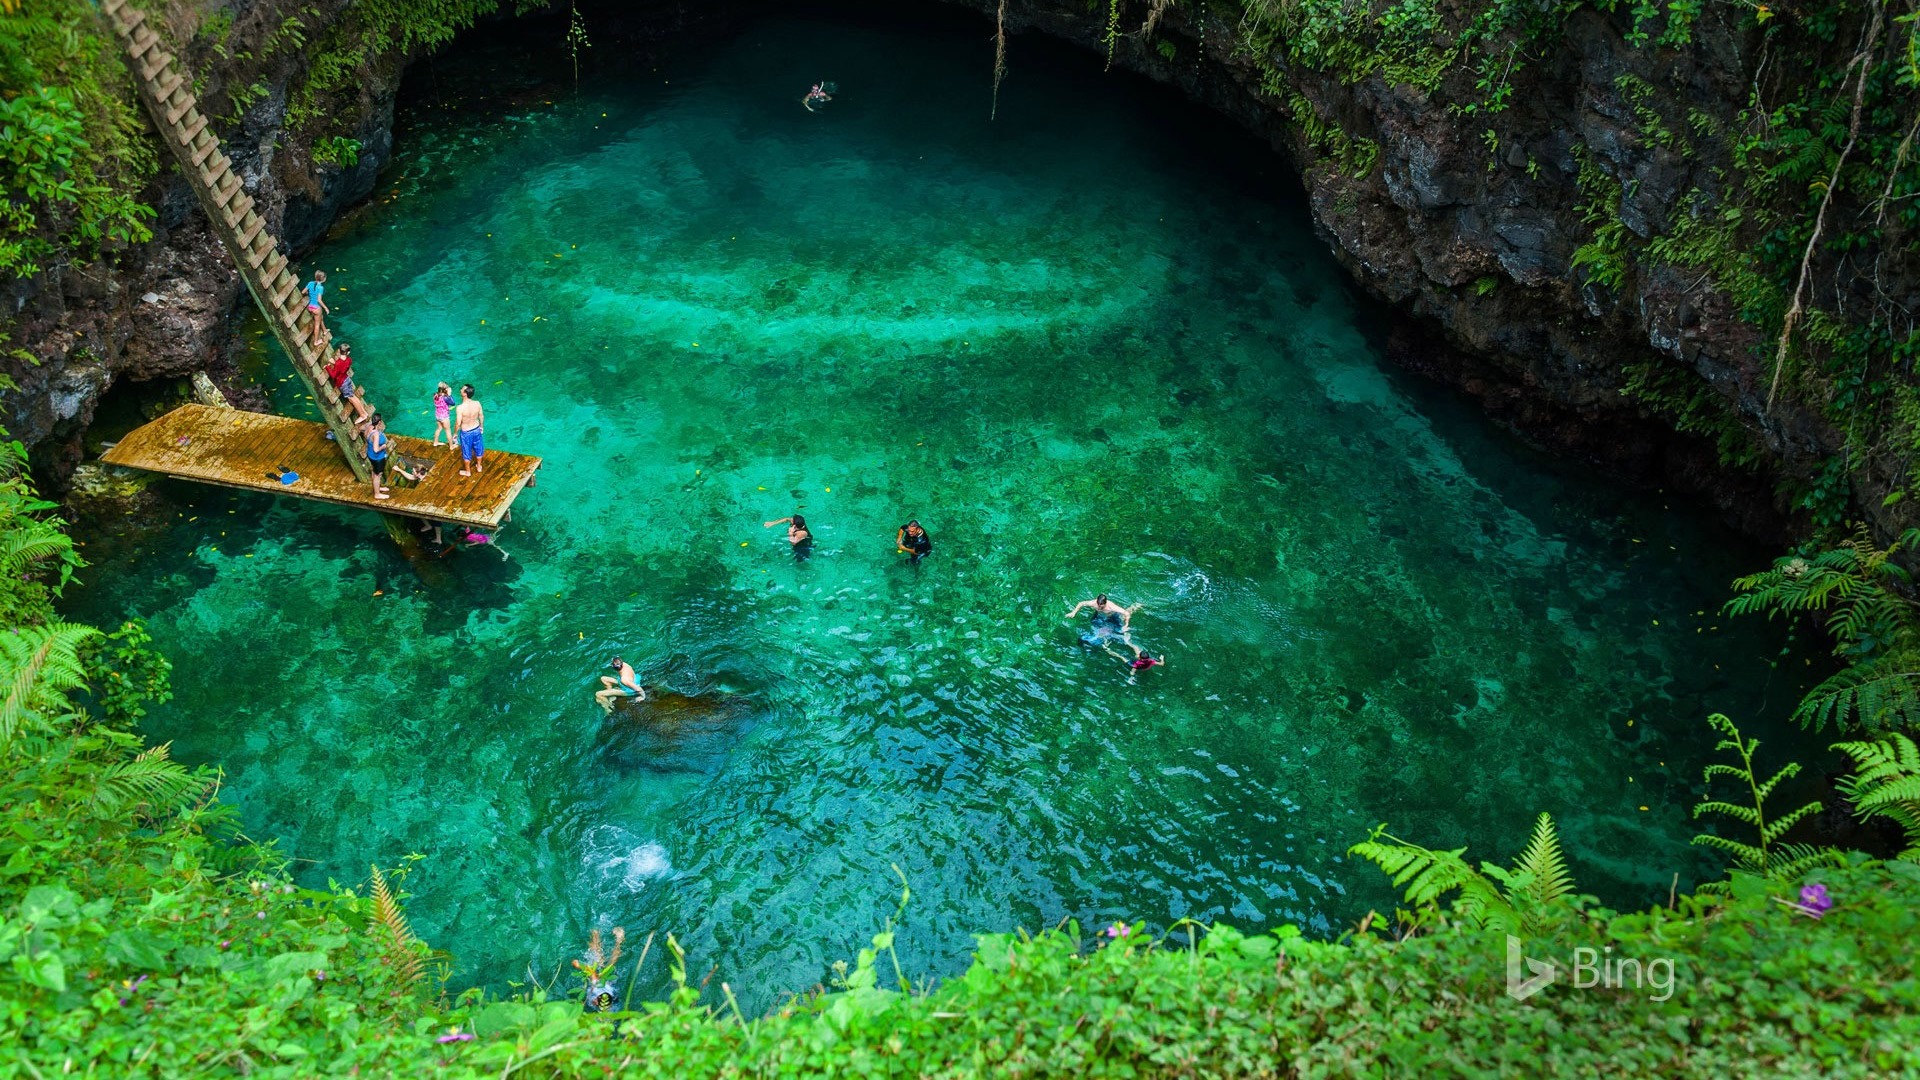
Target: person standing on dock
{"points": [[378, 447], [443, 414], [316, 306], [471, 425]]}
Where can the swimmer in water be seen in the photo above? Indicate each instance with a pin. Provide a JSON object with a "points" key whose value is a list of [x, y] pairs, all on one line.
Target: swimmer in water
{"points": [[613, 688], [1111, 622], [818, 93], [912, 540], [797, 534]]}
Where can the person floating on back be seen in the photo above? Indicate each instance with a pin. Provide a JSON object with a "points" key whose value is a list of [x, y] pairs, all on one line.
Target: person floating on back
{"points": [[378, 447], [442, 413], [625, 684], [817, 95], [1111, 622], [912, 540], [797, 535], [471, 423], [316, 306]]}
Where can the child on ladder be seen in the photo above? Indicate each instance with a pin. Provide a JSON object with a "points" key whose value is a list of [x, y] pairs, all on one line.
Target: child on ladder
{"points": [[317, 307]]}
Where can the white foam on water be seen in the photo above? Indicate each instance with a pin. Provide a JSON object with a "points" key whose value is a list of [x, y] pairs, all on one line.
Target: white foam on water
{"points": [[616, 855]]}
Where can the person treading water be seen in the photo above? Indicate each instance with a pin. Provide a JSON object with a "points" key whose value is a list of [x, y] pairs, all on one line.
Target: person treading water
{"points": [[1111, 622], [819, 94], [624, 685]]}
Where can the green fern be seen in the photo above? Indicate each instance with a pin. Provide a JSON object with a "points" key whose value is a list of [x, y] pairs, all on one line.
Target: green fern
{"points": [[1516, 900], [151, 781], [1886, 783], [1766, 857], [1854, 588], [39, 665]]}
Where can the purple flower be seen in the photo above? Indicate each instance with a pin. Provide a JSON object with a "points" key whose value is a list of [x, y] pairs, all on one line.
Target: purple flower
{"points": [[455, 1035], [1814, 900], [1119, 930]]}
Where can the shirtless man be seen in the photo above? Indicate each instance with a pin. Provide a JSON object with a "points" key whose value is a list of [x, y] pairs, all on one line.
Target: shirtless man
{"points": [[470, 423], [1110, 621], [625, 685]]}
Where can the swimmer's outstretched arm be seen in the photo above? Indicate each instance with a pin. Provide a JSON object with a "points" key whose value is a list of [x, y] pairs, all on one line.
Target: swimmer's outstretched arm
{"points": [[1075, 609], [776, 521]]}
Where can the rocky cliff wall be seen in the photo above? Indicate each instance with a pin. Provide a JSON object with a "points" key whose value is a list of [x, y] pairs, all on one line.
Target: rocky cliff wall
{"points": [[1471, 221], [170, 307], [1468, 224]]}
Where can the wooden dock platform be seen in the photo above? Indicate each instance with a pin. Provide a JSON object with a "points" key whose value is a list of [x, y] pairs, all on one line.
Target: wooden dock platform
{"points": [[240, 449]]}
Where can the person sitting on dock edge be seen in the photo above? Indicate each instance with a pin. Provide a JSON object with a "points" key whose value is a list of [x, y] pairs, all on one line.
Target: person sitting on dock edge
{"points": [[471, 425], [625, 685]]}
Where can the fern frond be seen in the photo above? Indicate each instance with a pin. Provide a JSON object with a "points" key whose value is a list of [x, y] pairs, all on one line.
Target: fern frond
{"points": [[1880, 693], [1745, 854], [1739, 813], [1427, 876], [1548, 878], [1886, 783], [1789, 861], [1779, 826], [155, 783], [400, 946], [39, 665], [1787, 772]]}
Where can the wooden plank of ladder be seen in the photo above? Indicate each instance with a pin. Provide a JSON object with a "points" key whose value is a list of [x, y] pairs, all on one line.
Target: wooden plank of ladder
{"points": [[252, 224], [187, 133], [205, 152], [151, 72]]}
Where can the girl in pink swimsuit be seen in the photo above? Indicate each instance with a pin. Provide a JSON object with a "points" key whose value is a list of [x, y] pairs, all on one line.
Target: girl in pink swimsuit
{"points": [[442, 415]]}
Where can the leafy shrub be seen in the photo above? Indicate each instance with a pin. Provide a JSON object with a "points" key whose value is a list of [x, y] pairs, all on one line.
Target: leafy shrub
{"points": [[72, 155]]}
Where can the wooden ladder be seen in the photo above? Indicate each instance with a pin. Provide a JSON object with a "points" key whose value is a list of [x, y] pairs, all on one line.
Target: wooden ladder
{"points": [[167, 92]]}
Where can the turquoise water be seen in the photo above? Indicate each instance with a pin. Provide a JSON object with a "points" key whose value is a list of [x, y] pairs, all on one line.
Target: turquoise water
{"points": [[1092, 346]]}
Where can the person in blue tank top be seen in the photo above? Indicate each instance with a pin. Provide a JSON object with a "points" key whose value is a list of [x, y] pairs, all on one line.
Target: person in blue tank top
{"points": [[317, 307], [378, 447]]}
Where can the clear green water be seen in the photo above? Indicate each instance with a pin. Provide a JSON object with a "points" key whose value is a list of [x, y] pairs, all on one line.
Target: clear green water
{"points": [[1092, 349]]}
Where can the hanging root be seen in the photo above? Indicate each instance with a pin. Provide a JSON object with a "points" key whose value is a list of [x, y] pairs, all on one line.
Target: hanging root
{"points": [[999, 56], [1864, 61], [1154, 10]]}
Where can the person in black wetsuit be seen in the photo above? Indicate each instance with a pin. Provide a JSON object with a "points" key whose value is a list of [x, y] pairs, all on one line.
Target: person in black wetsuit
{"points": [[1111, 622], [914, 541]]}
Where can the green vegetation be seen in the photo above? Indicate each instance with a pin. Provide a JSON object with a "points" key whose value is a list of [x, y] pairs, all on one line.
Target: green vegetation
{"points": [[1858, 593], [72, 155], [142, 935]]}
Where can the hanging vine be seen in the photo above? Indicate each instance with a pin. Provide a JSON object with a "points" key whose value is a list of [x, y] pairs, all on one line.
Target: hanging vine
{"points": [[576, 40], [999, 56]]}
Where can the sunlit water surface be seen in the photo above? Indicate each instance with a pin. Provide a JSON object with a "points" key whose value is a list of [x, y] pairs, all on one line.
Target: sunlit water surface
{"points": [[1091, 348]]}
